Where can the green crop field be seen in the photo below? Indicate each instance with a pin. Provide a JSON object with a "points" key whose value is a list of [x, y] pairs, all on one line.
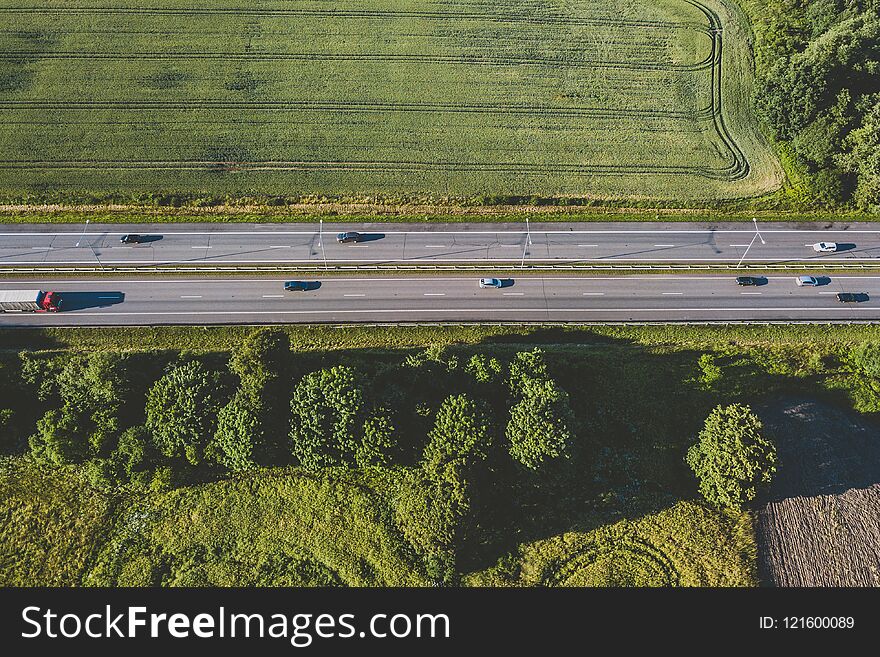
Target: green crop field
{"points": [[604, 98]]}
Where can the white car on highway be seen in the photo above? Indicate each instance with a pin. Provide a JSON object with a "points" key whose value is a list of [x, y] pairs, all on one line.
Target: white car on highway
{"points": [[825, 247], [490, 282], [806, 281]]}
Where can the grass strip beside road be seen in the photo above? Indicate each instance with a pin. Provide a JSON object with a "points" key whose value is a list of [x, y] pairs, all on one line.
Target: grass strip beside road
{"points": [[316, 338], [403, 213]]}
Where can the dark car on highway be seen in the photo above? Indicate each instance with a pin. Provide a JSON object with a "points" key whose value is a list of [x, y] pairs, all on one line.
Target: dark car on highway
{"points": [[132, 239], [852, 297], [300, 286], [749, 280], [345, 238]]}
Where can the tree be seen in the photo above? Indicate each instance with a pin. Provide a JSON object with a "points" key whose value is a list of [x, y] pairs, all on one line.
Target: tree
{"points": [[326, 414], [182, 410], [134, 457], [378, 440], [92, 390], [239, 434], [732, 459], [539, 429], [817, 64], [58, 439], [866, 357], [262, 359], [526, 366], [864, 158], [461, 435], [483, 369]]}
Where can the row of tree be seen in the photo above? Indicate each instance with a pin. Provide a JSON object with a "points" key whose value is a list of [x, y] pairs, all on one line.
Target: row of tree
{"points": [[465, 424], [256, 413]]}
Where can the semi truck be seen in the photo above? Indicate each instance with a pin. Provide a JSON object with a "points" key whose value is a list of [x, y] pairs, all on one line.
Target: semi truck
{"points": [[30, 301]]}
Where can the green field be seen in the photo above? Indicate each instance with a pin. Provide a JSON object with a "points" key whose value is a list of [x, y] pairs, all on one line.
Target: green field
{"points": [[620, 98]]}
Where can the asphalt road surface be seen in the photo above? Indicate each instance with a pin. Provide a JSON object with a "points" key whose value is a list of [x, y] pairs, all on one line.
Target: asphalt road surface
{"points": [[446, 299], [241, 244]]}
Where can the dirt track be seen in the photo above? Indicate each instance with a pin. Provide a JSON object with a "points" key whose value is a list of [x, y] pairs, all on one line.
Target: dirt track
{"points": [[821, 526]]}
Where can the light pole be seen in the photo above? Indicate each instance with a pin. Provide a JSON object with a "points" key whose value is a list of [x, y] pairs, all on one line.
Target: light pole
{"points": [[85, 228], [755, 221]]}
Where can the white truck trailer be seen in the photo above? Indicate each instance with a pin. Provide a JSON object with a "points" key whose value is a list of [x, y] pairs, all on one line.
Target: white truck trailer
{"points": [[32, 301]]}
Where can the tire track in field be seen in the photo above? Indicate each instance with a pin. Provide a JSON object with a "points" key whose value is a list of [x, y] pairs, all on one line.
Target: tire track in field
{"points": [[362, 167], [363, 107], [739, 167], [367, 14], [254, 56]]}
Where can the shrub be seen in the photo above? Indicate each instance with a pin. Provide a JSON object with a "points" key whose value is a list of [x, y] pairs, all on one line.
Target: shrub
{"points": [[732, 459], [262, 359], [239, 434], [461, 434], [709, 371], [327, 408], [182, 410], [378, 441], [525, 366], [866, 357], [539, 429], [483, 369]]}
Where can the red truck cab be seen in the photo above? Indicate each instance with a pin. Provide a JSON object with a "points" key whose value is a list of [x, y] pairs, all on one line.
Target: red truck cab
{"points": [[51, 302]]}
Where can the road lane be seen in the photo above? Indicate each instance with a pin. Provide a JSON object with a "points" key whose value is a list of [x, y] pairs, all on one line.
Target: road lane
{"points": [[450, 299], [242, 244]]}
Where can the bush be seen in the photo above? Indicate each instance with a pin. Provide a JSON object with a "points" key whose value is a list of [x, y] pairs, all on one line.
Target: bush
{"points": [[539, 429], [525, 366], [58, 439], [709, 371], [732, 459], [327, 411], [239, 436], [92, 391], [378, 441], [483, 369], [461, 435], [134, 456], [262, 359], [866, 357], [182, 410]]}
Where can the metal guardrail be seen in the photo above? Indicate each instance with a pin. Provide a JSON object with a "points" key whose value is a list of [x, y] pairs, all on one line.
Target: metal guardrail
{"points": [[511, 324], [821, 322], [860, 266]]}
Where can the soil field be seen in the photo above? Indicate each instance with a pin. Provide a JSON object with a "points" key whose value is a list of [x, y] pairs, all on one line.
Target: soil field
{"points": [[611, 98], [822, 525]]}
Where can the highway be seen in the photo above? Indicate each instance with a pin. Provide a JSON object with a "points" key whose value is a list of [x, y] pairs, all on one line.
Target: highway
{"points": [[153, 301], [218, 244]]}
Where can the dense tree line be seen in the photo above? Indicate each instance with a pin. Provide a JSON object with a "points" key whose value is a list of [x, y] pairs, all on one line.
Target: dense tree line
{"points": [[818, 87], [197, 419]]}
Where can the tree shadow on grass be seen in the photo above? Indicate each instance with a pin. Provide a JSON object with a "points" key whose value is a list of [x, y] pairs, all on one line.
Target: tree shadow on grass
{"points": [[639, 409]]}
